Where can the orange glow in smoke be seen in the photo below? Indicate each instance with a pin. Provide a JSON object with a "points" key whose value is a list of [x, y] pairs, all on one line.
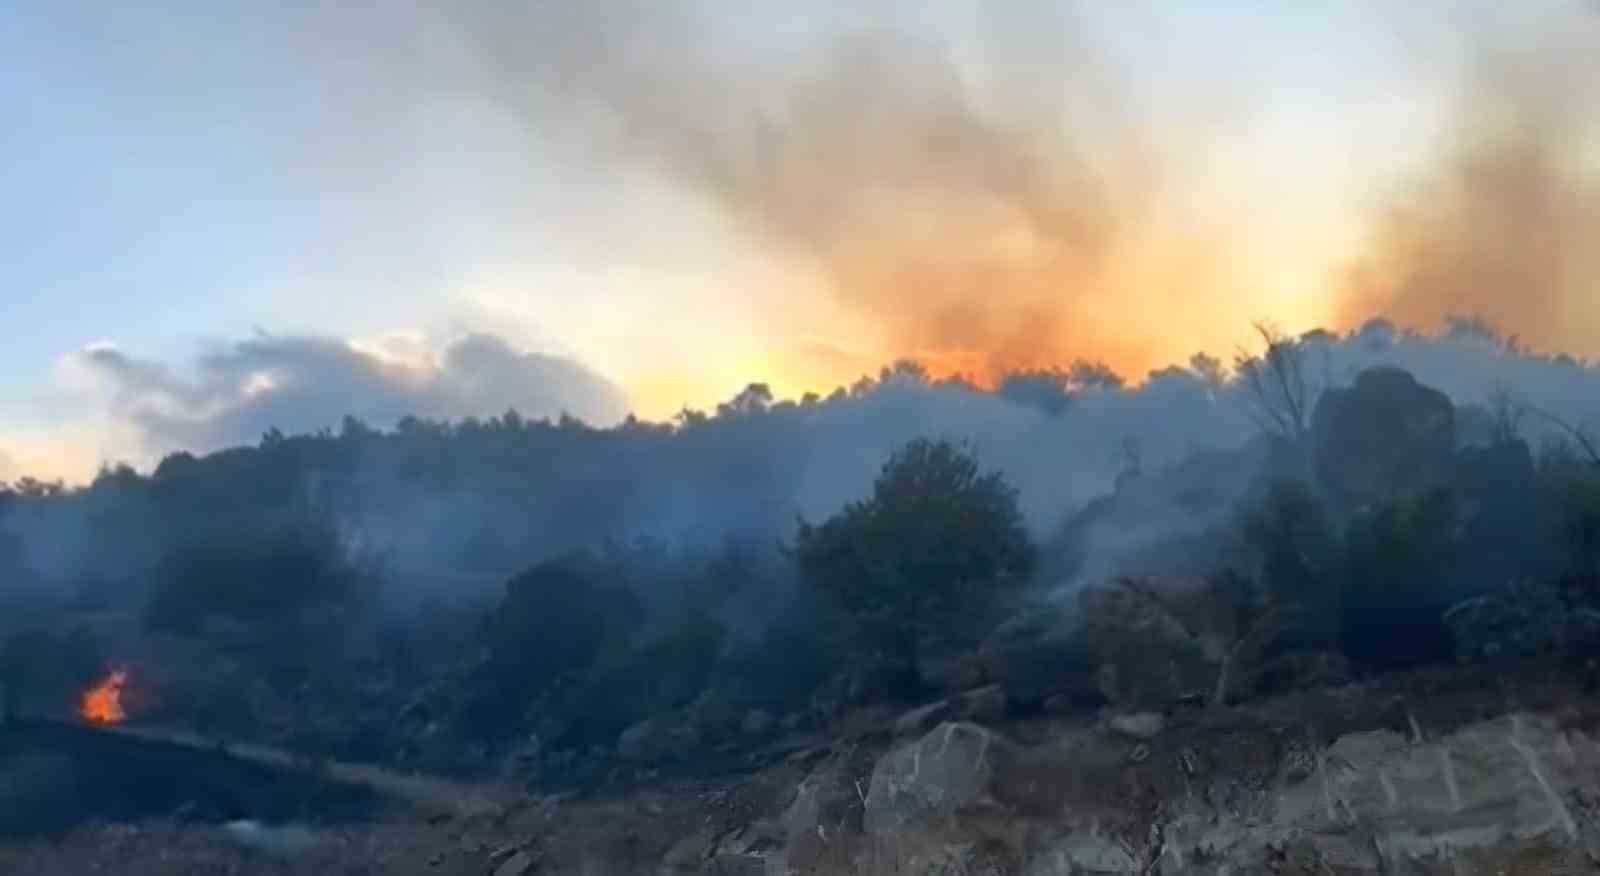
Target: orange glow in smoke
{"points": [[102, 703]]}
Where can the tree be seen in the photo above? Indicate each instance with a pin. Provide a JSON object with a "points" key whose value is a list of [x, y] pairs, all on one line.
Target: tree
{"points": [[1281, 389], [934, 541]]}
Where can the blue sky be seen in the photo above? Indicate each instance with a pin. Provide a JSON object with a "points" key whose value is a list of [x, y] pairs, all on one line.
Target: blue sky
{"points": [[181, 175]]}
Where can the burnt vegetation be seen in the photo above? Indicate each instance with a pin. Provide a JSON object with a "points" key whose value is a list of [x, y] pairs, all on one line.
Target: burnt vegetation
{"points": [[504, 594]]}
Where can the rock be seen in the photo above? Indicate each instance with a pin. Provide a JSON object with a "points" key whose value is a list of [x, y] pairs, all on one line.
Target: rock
{"points": [[793, 720], [656, 739], [736, 865], [1142, 726], [1376, 801], [1082, 853], [688, 855], [829, 801], [873, 681], [1060, 704], [947, 666], [985, 705], [757, 722], [519, 864], [1387, 434], [1148, 657], [948, 770], [921, 719], [1037, 655]]}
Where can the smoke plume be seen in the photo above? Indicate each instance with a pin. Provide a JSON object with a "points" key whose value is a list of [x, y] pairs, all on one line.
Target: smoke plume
{"points": [[973, 228], [1501, 222]]}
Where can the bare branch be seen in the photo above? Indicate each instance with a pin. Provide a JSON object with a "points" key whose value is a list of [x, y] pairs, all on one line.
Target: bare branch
{"points": [[1577, 432], [1278, 382]]}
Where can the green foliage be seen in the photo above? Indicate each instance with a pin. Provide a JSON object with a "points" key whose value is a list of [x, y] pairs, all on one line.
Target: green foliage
{"points": [[935, 541], [253, 576], [1288, 542], [283, 600], [1580, 532], [1399, 558]]}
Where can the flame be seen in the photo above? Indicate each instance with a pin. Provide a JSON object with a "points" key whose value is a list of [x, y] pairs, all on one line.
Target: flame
{"points": [[102, 704]]}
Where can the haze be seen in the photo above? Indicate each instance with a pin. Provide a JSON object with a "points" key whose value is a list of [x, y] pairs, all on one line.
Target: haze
{"points": [[223, 220]]}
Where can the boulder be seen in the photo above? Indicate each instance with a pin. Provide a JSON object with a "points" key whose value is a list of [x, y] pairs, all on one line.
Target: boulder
{"points": [[1142, 726], [1148, 657], [519, 864], [1083, 852], [985, 705], [1038, 655], [666, 737], [948, 770], [947, 667], [1377, 801], [1385, 435], [826, 805], [922, 719]]}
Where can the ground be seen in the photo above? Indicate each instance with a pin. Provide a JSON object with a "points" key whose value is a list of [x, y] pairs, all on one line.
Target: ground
{"points": [[680, 822]]}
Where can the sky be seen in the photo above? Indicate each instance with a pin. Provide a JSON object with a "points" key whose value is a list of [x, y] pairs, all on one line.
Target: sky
{"points": [[220, 218]]}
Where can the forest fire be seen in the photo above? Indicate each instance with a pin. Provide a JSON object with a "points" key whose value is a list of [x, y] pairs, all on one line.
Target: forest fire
{"points": [[102, 704]]}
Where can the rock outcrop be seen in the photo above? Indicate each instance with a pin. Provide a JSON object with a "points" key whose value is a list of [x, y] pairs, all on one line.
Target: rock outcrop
{"points": [[946, 771], [1385, 435]]}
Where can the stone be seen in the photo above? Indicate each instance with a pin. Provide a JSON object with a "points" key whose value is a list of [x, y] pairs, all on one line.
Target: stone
{"points": [[519, 864], [1084, 853], [1384, 435], [948, 770], [945, 666], [830, 800], [985, 705], [1142, 726], [921, 719], [656, 739], [1037, 655], [687, 855]]}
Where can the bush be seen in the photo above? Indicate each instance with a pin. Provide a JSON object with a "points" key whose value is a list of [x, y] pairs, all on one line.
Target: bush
{"points": [[1399, 560], [1288, 553], [283, 600], [927, 552], [254, 576]]}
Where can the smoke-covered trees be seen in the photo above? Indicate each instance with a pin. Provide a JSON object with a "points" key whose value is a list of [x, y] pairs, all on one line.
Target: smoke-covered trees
{"points": [[935, 540], [1282, 388]]}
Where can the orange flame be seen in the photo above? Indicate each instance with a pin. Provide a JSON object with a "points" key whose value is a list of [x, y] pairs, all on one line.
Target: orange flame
{"points": [[102, 704]]}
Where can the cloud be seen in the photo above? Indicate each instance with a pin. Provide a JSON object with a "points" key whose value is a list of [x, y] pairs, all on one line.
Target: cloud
{"points": [[303, 383]]}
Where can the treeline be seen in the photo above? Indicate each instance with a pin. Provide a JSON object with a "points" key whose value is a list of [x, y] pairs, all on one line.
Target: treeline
{"points": [[443, 594]]}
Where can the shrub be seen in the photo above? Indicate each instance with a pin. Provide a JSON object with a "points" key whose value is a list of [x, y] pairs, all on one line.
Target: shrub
{"points": [[252, 575], [281, 599], [1398, 566], [1287, 545], [925, 553]]}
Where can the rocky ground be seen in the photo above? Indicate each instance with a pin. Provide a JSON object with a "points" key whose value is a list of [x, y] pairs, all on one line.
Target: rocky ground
{"points": [[1447, 772]]}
